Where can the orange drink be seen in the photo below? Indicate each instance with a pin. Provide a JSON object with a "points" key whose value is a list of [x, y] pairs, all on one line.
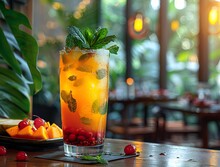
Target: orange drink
{"points": [[84, 99], [84, 73]]}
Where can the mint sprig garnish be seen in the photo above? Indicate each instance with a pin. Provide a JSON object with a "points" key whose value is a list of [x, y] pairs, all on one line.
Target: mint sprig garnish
{"points": [[90, 39], [97, 158]]}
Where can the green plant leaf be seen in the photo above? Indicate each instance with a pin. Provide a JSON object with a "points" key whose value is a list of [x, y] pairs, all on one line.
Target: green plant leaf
{"points": [[27, 44], [20, 77], [6, 109], [5, 49], [18, 105]]}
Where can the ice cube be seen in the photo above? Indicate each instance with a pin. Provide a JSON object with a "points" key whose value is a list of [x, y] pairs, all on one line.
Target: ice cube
{"points": [[102, 55]]}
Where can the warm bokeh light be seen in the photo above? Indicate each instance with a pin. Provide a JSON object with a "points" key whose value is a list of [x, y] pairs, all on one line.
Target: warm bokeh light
{"points": [[81, 8], [41, 38], [138, 22], [213, 15], [51, 25], [174, 25], [57, 5], [41, 64], [130, 81], [193, 58]]}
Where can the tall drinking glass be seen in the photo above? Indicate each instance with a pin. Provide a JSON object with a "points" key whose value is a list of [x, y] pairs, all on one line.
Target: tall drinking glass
{"points": [[84, 98]]}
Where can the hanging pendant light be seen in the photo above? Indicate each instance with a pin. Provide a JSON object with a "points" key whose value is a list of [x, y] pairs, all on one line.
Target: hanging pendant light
{"points": [[137, 26]]}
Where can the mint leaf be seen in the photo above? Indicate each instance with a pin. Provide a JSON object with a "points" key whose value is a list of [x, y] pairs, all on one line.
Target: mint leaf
{"points": [[76, 36], [104, 41], [70, 41], [99, 108], [97, 158], [86, 121], [103, 109], [86, 56], [72, 78], [101, 160], [67, 98], [95, 107], [113, 49], [101, 73], [88, 34], [100, 33], [89, 39]]}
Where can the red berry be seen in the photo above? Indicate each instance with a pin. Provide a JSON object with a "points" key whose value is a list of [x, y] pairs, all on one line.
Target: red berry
{"points": [[22, 124], [72, 137], [39, 122], [90, 134], [3, 150], [130, 149], [81, 138], [21, 156]]}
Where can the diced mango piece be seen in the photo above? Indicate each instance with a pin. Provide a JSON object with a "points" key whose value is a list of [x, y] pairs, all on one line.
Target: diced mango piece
{"points": [[26, 132], [54, 131], [59, 129], [12, 131], [47, 125], [40, 133]]}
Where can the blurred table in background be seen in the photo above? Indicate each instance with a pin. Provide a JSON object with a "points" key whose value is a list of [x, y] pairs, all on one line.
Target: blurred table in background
{"points": [[143, 127], [204, 113]]}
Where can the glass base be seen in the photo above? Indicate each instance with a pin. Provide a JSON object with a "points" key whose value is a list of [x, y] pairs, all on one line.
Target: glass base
{"points": [[71, 150]]}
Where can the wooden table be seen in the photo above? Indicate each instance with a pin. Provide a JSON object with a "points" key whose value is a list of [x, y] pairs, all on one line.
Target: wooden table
{"points": [[204, 114], [145, 100], [131, 130], [151, 155]]}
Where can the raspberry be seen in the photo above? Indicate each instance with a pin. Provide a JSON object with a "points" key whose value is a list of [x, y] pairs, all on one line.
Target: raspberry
{"points": [[130, 149], [21, 156], [3, 150]]}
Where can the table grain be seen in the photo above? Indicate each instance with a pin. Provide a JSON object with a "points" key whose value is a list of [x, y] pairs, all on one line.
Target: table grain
{"points": [[151, 155]]}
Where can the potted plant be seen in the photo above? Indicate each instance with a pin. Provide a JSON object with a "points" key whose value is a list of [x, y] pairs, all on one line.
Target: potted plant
{"points": [[20, 78]]}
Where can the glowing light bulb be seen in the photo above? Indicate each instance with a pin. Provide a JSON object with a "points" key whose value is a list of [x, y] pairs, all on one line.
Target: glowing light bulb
{"points": [[138, 23]]}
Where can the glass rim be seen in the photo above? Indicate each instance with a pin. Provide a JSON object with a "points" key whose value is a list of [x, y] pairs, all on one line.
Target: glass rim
{"points": [[68, 50]]}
